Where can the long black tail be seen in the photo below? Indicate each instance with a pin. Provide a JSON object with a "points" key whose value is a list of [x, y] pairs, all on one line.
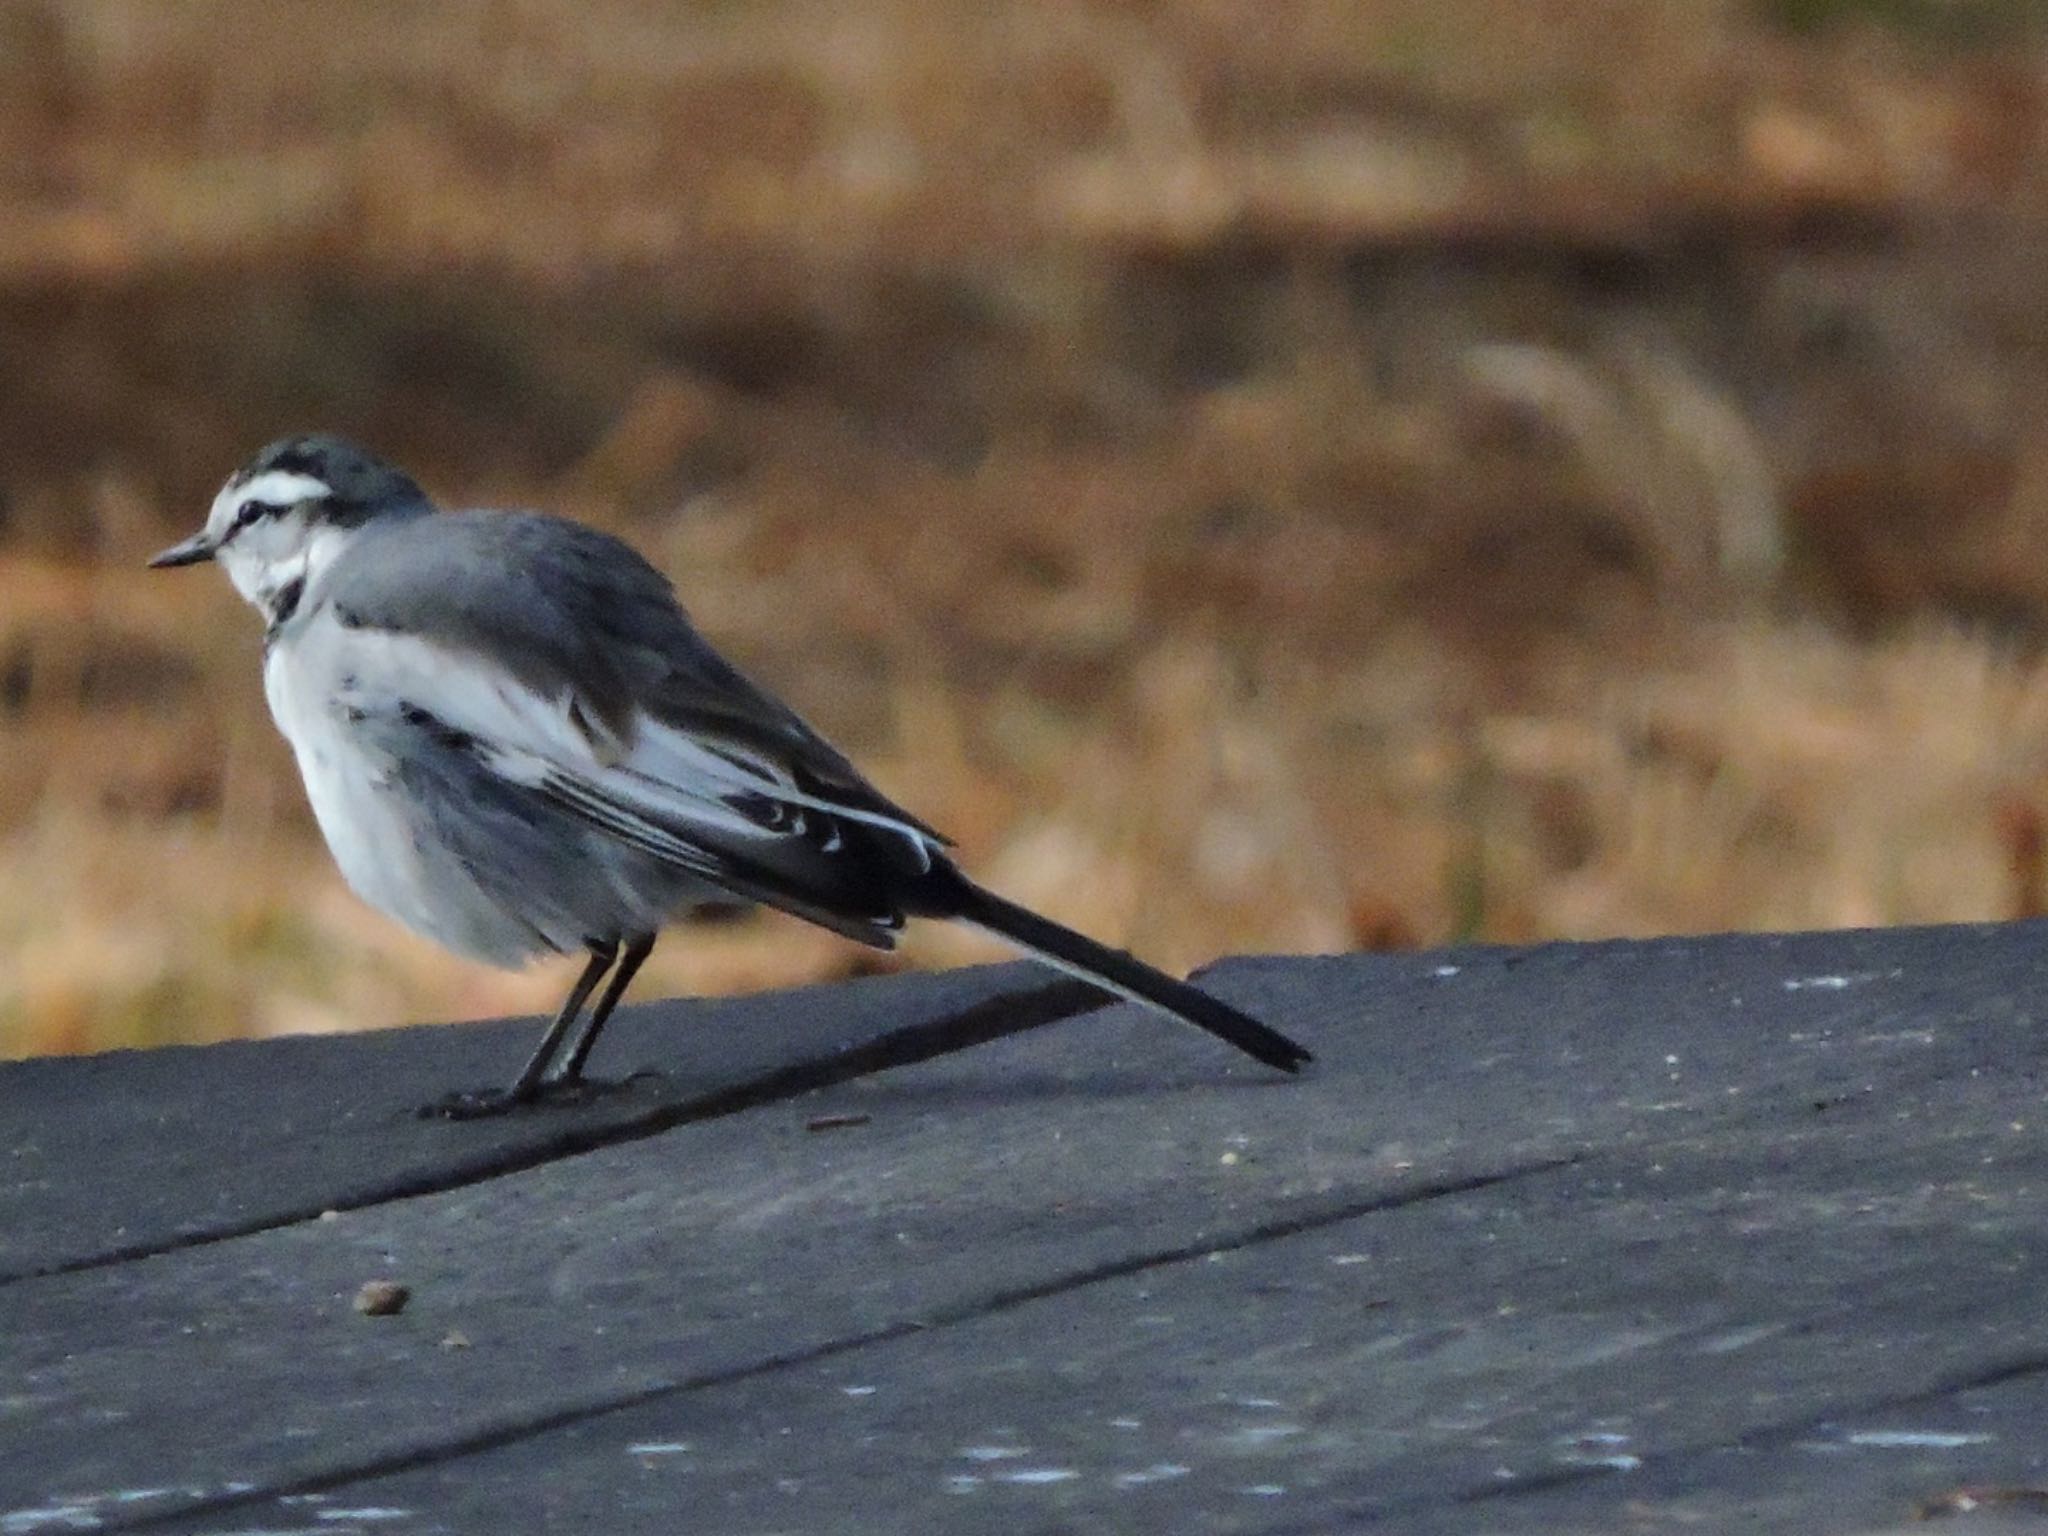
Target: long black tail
{"points": [[952, 894]]}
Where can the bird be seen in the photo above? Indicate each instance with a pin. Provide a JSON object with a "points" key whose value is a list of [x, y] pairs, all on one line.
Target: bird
{"points": [[516, 744]]}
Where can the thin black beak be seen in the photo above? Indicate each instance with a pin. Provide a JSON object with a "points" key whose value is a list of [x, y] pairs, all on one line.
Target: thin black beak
{"points": [[195, 549]]}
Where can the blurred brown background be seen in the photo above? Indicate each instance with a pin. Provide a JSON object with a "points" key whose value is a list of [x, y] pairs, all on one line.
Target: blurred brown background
{"points": [[1265, 474]]}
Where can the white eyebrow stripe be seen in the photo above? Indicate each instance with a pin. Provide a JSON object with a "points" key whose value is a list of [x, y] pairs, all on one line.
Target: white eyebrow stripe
{"points": [[276, 488]]}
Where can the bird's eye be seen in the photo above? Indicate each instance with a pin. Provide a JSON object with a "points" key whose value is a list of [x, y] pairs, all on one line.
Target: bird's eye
{"points": [[248, 512]]}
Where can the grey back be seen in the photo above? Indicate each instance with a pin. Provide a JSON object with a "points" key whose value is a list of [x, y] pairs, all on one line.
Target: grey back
{"points": [[569, 609]]}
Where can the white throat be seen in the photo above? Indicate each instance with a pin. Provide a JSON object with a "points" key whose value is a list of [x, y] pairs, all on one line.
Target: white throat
{"points": [[278, 581]]}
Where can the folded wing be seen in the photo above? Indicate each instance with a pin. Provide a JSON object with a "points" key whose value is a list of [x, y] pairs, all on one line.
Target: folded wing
{"points": [[578, 679]]}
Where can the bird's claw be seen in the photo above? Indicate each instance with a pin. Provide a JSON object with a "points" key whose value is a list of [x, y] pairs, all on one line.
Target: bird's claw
{"points": [[549, 1093]]}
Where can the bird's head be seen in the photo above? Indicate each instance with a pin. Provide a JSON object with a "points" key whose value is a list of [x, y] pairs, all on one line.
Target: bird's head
{"points": [[286, 514]]}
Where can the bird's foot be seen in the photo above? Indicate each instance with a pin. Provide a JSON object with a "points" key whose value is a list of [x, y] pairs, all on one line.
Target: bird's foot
{"points": [[475, 1104], [550, 1093]]}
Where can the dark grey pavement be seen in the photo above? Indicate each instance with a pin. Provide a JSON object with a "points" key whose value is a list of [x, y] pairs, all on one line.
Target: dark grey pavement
{"points": [[1745, 1233]]}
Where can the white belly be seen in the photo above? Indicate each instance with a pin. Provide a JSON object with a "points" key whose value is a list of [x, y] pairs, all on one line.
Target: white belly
{"points": [[364, 818]]}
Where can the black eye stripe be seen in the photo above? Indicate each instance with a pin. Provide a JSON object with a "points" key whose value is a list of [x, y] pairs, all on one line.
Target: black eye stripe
{"points": [[252, 511]]}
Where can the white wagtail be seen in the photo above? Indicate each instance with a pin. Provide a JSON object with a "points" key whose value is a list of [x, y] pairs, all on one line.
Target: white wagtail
{"points": [[516, 744]]}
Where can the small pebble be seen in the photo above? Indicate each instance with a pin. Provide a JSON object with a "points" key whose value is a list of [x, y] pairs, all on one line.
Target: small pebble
{"points": [[455, 1339], [382, 1298], [1968, 1500], [835, 1122]]}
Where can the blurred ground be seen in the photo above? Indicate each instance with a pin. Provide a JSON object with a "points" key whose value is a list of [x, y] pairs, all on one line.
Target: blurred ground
{"points": [[1265, 476]]}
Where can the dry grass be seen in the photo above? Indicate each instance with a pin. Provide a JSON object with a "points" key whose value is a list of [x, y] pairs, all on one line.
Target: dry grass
{"points": [[1266, 477]]}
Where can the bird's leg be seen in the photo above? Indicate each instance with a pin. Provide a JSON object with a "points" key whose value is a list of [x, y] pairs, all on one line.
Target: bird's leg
{"points": [[571, 1070], [527, 1086]]}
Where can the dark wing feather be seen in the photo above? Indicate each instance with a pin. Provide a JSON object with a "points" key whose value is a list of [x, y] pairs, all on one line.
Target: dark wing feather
{"points": [[874, 922]]}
